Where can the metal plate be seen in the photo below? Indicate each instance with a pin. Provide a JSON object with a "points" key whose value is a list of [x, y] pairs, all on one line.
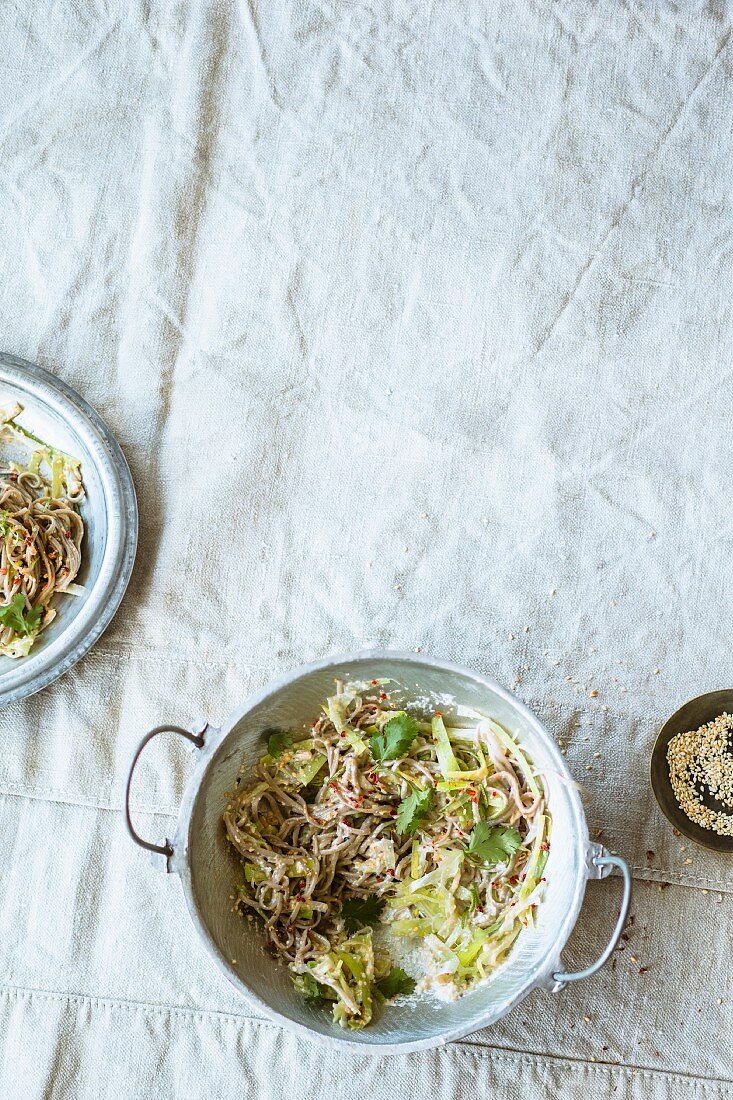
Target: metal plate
{"points": [[53, 411]]}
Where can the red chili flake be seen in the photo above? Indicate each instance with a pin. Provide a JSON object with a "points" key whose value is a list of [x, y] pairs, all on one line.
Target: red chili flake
{"points": [[3, 571], [68, 534], [543, 879], [16, 581], [28, 540], [439, 714], [13, 475], [393, 812], [343, 733], [313, 725], [643, 969], [382, 695], [374, 683], [379, 878], [544, 846], [513, 880], [391, 872], [522, 877], [479, 908]]}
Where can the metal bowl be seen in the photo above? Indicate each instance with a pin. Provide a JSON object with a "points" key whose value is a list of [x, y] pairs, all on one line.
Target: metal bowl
{"points": [[53, 411], [693, 714], [207, 868]]}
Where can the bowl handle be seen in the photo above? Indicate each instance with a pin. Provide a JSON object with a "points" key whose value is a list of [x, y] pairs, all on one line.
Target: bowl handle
{"points": [[165, 849], [602, 861]]}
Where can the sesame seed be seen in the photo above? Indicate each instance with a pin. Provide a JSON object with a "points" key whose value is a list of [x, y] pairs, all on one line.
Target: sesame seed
{"points": [[701, 768]]}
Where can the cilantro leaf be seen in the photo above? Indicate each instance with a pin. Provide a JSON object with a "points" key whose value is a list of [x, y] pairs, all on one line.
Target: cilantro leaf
{"points": [[412, 810], [5, 527], [278, 741], [15, 616], [358, 912], [396, 983], [493, 843], [395, 738]]}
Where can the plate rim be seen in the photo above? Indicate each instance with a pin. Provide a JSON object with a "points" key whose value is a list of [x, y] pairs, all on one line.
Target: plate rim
{"points": [[127, 539]]}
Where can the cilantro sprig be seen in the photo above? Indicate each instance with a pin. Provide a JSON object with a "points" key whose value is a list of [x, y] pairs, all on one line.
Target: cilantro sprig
{"points": [[493, 843], [19, 616], [360, 912], [395, 738], [412, 810], [397, 983]]}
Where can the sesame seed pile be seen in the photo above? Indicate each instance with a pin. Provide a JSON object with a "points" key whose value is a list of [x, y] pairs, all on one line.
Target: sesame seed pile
{"points": [[701, 760]]}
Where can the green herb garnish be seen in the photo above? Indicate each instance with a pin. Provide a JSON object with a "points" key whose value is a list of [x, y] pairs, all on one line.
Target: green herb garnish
{"points": [[493, 843], [396, 983], [412, 810], [359, 912], [395, 739], [19, 616]]}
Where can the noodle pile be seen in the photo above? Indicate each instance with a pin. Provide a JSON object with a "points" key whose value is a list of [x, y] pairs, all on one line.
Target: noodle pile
{"points": [[318, 830], [41, 534]]}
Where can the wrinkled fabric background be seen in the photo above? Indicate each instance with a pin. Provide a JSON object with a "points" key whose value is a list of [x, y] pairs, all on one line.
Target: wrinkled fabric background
{"points": [[414, 323]]}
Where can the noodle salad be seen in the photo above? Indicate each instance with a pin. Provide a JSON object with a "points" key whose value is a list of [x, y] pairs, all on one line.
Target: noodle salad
{"points": [[383, 835], [41, 533]]}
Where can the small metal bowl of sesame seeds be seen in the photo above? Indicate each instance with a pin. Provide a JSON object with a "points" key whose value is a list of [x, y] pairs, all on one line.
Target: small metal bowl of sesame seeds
{"points": [[692, 770]]}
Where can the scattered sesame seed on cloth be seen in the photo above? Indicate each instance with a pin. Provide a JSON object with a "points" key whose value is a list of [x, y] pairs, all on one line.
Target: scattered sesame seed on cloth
{"points": [[701, 762]]}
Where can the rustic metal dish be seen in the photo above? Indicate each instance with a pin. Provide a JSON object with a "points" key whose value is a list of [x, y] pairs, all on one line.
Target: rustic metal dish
{"points": [[690, 716], [53, 411], [200, 855]]}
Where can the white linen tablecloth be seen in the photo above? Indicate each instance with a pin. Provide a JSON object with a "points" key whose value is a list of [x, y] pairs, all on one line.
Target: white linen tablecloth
{"points": [[414, 323]]}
